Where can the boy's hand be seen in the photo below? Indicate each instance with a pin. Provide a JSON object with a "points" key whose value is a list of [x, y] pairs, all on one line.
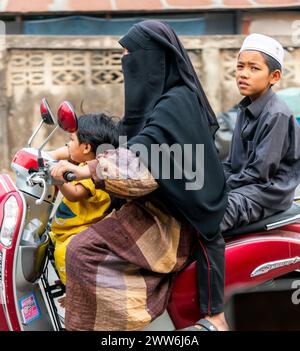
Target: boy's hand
{"points": [[58, 170]]}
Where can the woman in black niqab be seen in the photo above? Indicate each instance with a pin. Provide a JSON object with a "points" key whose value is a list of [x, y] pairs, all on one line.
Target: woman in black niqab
{"points": [[150, 41], [128, 260], [165, 104]]}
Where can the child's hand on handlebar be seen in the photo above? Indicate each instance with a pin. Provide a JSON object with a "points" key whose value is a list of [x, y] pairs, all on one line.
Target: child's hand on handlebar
{"points": [[58, 170]]}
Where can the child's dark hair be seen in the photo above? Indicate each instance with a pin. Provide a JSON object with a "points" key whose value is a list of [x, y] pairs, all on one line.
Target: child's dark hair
{"points": [[272, 64], [96, 129]]}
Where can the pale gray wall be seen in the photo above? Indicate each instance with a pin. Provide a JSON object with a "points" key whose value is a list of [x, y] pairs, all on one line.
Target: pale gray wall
{"points": [[88, 69]]}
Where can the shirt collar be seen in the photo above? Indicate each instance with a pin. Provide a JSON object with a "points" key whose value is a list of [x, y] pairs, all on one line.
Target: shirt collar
{"points": [[255, 108]]}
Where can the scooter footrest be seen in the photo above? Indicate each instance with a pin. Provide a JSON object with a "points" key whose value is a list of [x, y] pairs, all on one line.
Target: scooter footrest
{"points": [[57, 294], [57, 287], [56, 290]]}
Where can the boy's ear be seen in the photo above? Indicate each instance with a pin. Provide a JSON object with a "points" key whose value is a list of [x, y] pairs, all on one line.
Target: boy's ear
{"points": [[87, 149], [275, 77]]}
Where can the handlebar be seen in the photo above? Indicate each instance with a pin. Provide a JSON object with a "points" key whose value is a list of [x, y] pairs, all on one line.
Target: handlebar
{"points": [[69, 176], [44, 179], [42, 198], [37, 178]]}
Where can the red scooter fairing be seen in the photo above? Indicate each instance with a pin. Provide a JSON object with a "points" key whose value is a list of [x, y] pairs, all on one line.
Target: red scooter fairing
{"points": [[27, 296], [11, 204], [250, 259]]}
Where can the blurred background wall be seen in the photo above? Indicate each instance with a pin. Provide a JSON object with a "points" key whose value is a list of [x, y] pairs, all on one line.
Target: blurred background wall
{"points": [[62, 49]]}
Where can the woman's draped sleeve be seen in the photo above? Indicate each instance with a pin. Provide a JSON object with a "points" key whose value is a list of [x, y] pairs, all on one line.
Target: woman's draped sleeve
{"points": [[120, 173]]}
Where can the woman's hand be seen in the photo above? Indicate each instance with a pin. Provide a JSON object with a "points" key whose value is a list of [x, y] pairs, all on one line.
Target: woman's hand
{"points": [[58, 170]]}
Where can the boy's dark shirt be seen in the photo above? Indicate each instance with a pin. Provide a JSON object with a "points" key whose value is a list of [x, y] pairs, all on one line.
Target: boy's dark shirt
{"points": [[264, 160]]}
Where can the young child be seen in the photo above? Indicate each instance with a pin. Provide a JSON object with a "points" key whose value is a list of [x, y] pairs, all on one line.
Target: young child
{"points": [[263, 169], [82, 204]]}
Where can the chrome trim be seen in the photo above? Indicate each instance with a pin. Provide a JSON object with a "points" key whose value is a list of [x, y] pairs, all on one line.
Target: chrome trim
{"points": [[35, 133], [266, 238], [15, 259], [4, 304], [11, 182], [2, 286], [47, 139], [282, 222], [47, 305], [4, 184], [269, 266]]}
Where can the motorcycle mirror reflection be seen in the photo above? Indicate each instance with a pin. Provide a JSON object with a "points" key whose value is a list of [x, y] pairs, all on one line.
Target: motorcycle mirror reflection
{"points": [[47, 118], [46, 112], [67, 118]]}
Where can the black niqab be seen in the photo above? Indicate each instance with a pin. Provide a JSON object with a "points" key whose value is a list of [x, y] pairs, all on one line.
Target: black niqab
{"points": [[144, 72], [165, 104], [146, 40]]}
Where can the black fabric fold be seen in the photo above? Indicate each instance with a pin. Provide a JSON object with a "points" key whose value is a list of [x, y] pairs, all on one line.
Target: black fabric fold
{"points": [[165, 105]]}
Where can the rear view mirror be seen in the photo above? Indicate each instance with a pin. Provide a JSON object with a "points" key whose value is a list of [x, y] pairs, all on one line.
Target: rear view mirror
{"points": [[46, 113], [67, 118], [47, 118]]}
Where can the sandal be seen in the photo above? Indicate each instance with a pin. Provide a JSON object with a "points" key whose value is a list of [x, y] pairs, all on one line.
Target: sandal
{"points": [[204, 323]]}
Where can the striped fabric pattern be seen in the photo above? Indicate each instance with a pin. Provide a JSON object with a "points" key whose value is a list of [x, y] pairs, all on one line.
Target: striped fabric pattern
{"points": [[120, 270]]}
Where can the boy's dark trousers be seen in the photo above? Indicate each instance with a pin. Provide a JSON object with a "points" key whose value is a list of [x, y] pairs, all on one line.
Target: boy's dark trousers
{"points": [[210, 257]]}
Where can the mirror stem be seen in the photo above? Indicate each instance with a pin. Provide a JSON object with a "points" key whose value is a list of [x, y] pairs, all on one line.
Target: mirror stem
{"points": [[47, 139], [35, 133]]}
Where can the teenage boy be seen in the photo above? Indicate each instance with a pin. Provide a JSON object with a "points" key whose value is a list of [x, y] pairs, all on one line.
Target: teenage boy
{"points": [[263, 169]]}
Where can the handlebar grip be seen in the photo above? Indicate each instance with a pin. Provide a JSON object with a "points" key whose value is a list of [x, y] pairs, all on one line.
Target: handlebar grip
{"points": [[69, 176]]}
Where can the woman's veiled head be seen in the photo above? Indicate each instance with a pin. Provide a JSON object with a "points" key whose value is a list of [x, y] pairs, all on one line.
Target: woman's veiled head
{"points": [[157, 61], [149, 71]]}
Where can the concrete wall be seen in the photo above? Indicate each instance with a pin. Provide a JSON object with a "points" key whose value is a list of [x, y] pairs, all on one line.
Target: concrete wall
{"points": [[87, 72]]}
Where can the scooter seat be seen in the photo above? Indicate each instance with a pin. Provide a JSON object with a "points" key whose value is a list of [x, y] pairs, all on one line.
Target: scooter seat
{"points": [[263, 224]]}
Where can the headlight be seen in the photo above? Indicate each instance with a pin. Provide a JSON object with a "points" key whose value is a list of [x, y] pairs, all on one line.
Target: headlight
{"points": [[10, 217]]}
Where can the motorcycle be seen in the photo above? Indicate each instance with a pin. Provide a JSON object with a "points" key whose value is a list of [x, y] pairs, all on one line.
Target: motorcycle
{"points": [[256, 254]]}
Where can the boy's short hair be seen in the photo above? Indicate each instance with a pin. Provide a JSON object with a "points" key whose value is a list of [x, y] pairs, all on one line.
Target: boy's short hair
{"points": [[96, 129], [272, 64]]}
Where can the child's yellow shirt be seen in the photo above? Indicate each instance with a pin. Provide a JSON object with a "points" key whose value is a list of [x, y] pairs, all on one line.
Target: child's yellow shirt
{"points": [[73, 217]]}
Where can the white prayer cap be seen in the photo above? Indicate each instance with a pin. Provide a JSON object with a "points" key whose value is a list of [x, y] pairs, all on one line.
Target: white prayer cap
{"points": [[265, 44]]}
